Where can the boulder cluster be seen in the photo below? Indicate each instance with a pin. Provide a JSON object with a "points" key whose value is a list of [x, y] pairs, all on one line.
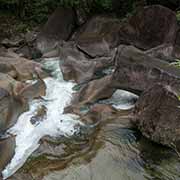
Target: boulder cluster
{"points": [[102, 54]]}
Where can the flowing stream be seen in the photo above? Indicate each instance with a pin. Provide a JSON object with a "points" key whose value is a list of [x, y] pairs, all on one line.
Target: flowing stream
{"points": [[115, 152], [55, 123]]}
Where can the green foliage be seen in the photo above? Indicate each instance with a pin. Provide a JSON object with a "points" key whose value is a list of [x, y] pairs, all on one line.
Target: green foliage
{"points": [[37, 11], [178, 16]]}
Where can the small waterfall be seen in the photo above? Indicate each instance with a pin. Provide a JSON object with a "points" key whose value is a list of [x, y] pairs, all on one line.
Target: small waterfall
{"points": [[55, 123]]}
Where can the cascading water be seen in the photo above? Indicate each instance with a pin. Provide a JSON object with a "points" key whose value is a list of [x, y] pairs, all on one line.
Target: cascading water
{"points": [[55, 123]]}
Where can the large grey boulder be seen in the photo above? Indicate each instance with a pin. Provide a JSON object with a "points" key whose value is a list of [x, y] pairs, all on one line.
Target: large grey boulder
{"points": [[157, 115], [149, 27], [59, 26], [136, 71]]}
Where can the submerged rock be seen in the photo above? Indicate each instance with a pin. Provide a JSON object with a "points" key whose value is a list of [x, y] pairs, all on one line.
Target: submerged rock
{"points": [[76, 66], [157, 115]]}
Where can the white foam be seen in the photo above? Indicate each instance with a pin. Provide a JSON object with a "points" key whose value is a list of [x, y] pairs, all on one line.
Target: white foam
{"points": [[121, 99], [55, 123]]}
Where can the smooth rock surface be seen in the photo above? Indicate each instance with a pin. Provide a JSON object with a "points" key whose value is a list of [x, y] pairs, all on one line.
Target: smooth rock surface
{"points": [[151, 26], [135, 71], [59, 27], [157, 115]]}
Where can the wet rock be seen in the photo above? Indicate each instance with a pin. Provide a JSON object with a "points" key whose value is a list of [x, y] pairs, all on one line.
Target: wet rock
{"points": [[76, 66], [176, 51], [103, 114], [84, 70], [150, 27], [164, 52], [121, 100], [39, 116], [14, 96], [7, 148], [31, 91], [63, 23], [51, 146], [95, 90], [69, 49], [98, 36], [99, 113], [29, 52], [82, 16], [24, 68], [157, 115], [80, 71], [135, 71], [9, 84], [94, 46], [10, 109], [15, 42]]}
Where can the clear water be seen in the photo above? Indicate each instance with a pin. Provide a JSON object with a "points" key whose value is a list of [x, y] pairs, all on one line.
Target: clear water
{"points": [[121, 100], [116, 152], [55, 123]]}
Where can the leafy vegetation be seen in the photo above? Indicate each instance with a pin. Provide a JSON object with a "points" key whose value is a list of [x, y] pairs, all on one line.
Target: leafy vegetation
{"points": [[37, 10], [176, 63], [178, 16], [30, 13]]}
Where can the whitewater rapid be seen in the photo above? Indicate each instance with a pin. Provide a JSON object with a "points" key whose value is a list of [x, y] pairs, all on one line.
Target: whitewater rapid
{"points": [[55, 123]]}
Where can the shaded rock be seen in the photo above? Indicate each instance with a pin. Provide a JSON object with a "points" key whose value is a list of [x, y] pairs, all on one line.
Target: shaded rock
{"points": [[98, 36], [51, 146], [24, 68], [95, 90], [80, 71], [69, 49], [176, 51], [82, 16], [59, 26], [31, 91], [15, 42], [157, 115], [76, 66], [14, 97], [135, 71], [39, 116], [20, 176], [94, 46], [28, 51], [164, 52], [30, 37], [9, 84], [149, 27], [84, 70], [7, 148], [104, 114], [10, 109], [99, 113]]}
